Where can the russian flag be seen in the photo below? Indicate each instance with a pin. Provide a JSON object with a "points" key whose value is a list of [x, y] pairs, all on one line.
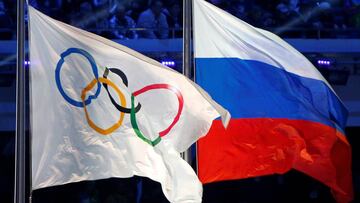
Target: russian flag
{"points": [[285, 115]]}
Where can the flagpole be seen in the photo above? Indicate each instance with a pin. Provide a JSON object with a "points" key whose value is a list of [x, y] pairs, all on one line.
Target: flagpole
{"points": [[19, 187], [187, 57]]}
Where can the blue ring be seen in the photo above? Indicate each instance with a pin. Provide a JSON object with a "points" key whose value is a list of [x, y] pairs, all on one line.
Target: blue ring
{"points": [[94, 69]]}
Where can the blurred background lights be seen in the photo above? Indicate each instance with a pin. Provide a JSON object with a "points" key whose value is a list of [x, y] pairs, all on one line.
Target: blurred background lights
{"points": [[169, 63], [324, 62]]}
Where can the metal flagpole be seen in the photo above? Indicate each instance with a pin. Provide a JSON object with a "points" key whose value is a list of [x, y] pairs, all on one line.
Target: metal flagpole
{"points": [[187, 57], [19, 187]]}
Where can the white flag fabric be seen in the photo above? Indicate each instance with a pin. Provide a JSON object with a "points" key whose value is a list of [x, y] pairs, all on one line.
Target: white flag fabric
{"points": [[100, 110]]}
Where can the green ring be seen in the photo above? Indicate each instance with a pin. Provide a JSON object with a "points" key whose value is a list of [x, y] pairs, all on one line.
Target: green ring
{"points": [[136, 127]]}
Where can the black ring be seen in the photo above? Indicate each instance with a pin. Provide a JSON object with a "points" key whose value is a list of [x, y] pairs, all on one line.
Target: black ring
{"points": [[125, 81]]}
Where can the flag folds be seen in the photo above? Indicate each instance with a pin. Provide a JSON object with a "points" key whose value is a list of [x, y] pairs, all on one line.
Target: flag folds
{"points": [[101, 110], [284, 113]]}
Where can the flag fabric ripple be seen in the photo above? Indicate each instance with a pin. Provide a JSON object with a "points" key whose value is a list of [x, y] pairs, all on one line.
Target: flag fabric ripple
{"points": [[284, 113], [101, 110]]}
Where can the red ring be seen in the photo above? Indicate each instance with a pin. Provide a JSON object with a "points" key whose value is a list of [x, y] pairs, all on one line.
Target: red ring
{"points": [[174, 90]]}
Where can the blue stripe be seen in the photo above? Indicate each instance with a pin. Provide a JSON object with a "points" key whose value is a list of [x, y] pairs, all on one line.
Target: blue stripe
{"points": [[252, 89]]}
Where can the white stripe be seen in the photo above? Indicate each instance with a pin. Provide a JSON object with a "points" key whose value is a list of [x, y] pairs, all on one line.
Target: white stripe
{"points": [[218, 34]]}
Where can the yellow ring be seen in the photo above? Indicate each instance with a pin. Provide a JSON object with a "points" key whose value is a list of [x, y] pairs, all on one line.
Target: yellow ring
{"points": [[122, 100]]}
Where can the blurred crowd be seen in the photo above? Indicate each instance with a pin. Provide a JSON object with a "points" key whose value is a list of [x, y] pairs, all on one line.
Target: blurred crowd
{"points": [[114, 19], [155, 19], [281, 16]]}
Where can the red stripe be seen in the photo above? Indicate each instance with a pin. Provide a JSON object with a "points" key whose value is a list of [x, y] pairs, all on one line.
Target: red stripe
{"points": [[255, 147]]}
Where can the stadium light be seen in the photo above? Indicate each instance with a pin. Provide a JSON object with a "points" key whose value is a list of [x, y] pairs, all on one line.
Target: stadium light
{"points": [[169, 63]]}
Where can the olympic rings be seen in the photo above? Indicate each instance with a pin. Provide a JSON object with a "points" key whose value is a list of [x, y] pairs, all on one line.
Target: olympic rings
{"points": [[121, 97], [58, 81], [122, 107]]}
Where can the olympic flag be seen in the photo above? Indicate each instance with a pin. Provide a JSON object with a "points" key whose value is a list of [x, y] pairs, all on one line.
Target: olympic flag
{"points": [[284, 113], [101, 110]]}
